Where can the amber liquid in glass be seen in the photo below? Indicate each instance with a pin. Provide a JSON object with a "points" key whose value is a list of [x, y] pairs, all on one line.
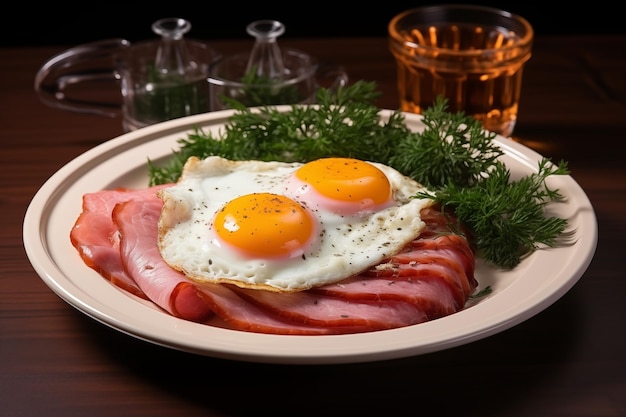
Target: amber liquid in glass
{"points": [[484, 85]]}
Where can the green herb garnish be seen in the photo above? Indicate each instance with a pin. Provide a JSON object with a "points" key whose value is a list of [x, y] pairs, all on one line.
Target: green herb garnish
{"points": [[506, 218], [453, 149], [453, 156]]}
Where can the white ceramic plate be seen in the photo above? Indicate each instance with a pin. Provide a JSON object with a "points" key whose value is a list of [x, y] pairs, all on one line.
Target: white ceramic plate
{"points": [[517, 295]]}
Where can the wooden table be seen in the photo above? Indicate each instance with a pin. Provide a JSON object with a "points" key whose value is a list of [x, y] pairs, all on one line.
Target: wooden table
{"points": [[569, 360]]}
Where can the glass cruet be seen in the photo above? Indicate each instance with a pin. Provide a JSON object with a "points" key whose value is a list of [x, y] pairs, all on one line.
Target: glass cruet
{"points": [[172, 57], [170, 82], [266, 60]]}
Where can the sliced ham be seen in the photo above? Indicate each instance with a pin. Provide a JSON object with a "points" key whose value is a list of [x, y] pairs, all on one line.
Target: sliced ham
{"points": [[433, 277], [96, 237], [166, 287], [443, 258], [234, 312], [432, 295], [317, 309]]}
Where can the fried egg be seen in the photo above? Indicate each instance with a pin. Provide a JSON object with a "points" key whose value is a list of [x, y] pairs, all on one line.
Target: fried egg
{"points": [[286, 226]]}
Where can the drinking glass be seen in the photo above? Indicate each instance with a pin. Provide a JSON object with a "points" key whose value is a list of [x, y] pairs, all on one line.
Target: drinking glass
{"points": [[473, 56]]}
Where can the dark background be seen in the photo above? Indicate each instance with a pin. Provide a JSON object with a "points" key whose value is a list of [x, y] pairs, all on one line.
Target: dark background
{"points": [[56, 23]]}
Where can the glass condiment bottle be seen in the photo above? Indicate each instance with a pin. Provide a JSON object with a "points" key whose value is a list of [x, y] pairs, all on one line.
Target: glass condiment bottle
{"points": [[266, 60], [174, 84]]}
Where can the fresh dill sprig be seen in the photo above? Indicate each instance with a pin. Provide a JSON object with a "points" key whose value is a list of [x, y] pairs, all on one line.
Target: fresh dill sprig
{"points": [[453, 148], [506, 218]]}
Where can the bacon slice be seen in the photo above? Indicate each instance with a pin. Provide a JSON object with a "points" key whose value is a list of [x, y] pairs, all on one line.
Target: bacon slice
{"points": [[432, 278]]}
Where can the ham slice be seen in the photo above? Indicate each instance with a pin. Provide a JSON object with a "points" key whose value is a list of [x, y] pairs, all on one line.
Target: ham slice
{"points": [[429, 293], [96, 237], [433, 277], [169, 289], [307, 307]]}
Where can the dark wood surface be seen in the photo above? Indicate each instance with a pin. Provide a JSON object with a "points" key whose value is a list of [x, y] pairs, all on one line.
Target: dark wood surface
{"points": [[569, 360]]}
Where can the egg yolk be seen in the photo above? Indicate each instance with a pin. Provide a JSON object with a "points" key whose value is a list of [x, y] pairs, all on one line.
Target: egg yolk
{"points": [[347, 180], [265, 225]]}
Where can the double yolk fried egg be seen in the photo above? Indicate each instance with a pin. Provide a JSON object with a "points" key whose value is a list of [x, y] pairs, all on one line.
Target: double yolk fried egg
{"points": [[286, 227]]}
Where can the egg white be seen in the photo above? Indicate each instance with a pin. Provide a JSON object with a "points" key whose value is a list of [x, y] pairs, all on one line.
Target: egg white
{"points": [[344, 245]]}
